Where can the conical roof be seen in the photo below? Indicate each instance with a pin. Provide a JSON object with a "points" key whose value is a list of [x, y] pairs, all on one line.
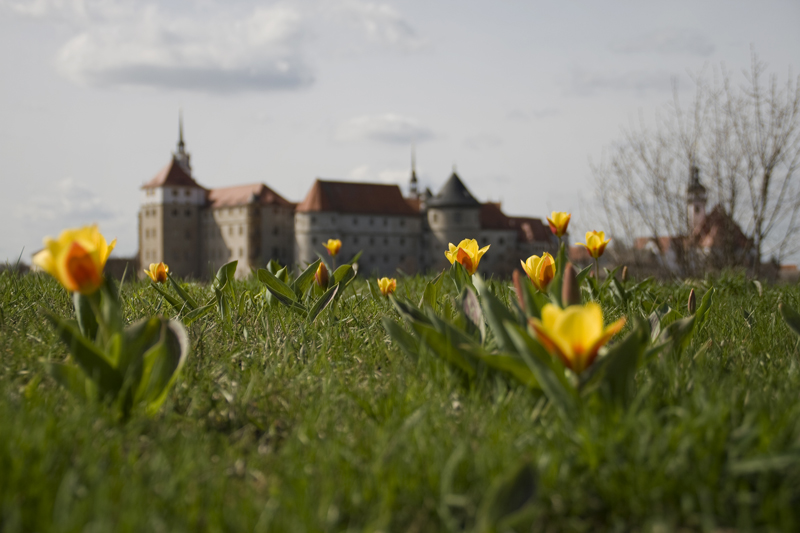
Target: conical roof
{"points": [[454, 194]]}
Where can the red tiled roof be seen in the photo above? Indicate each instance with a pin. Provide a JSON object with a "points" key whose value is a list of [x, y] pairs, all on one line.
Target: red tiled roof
{"points": [[414, 203], [245, 194], [493, 218], [718, 227], [528, 229], [349, 197], [172, 174]]}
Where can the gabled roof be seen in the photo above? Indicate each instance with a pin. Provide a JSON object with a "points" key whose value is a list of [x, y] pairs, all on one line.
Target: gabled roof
{"points": [[453, 194], [349, 197], [528, 229], [246, 194], [719, 230], [173, 174]]}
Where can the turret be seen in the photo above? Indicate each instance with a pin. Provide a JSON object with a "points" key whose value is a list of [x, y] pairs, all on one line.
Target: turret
{"points": [[696, 198]]}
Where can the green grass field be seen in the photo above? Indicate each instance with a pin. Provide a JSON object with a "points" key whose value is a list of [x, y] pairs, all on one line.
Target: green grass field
{"points": [[280, 425]]}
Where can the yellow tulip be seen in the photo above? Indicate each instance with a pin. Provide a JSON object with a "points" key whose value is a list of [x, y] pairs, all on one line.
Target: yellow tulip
{"points": [[387, 285], [321, 276], [157, 272], [76, 259], [558, 223], [466, 253], [541, 270], [333, 246], [574, 334], [595, 242]]}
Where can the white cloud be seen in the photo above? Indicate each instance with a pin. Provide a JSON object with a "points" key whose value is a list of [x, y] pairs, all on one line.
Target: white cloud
{"points": [[383, 25], [585, 83], [260, 51], [388, 128], [667, 41], [67, 200]]}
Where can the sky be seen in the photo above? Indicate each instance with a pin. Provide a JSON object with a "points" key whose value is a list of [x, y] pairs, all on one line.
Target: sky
{"points": [[519, 96]]}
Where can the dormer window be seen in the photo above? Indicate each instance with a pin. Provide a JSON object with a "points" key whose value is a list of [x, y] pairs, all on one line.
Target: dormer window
{"points": [[174, 192]]}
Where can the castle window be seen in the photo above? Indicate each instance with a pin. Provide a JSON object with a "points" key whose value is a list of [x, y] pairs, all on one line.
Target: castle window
{"points": [[355, 221], [402, 241], [241, 252], [275, 230], [313, 220], [402, 222], [188, 212], [241, 230], [372, 240], [385, 221], [502, 240], [385, 258], [188, 235], [457, 217], [371, 221], [333, 220], [355, 240], [435, 217], [386, 240], [187, 192], [174, 212], [402, 258], [230, 230], [275, 252], [174, 192]]}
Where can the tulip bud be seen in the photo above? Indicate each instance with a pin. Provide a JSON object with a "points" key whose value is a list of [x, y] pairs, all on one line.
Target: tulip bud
{"points": [[321, 276], [517, 277], [624, 273], [692, 304], [570, 291]]}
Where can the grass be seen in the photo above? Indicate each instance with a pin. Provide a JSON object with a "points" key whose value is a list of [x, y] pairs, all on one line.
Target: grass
{"points": [[278, 425]]}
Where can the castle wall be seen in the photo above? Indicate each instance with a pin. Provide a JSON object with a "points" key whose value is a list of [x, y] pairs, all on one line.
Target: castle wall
{"points": [[451, 225], [388, 242]]}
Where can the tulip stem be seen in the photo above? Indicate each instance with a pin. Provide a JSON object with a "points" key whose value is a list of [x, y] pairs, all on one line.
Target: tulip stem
{"points": [[597, 269]]}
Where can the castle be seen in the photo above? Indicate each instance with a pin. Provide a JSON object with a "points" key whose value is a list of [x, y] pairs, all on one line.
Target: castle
{"points": [[196, 230]]}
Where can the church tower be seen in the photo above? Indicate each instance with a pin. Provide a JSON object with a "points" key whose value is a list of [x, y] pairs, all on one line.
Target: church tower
{"points": [[413, 186], [453, 215], [696, 199], [169, 215]]}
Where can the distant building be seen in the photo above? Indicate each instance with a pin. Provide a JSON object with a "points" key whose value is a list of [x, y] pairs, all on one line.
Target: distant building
{"points": [[196, 230], [715, 240]]}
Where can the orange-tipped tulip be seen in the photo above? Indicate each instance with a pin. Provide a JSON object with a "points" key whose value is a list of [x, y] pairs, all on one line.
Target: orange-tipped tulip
{"points": [[466, 253], [559, 221], [76, 259], [541, 270], [574, 334], [321, 276], [595, 242], [387, 285], [333, 246], [157, 272]]}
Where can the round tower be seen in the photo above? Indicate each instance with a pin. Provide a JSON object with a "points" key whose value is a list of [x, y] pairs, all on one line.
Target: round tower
{"points": [[453, 215]]}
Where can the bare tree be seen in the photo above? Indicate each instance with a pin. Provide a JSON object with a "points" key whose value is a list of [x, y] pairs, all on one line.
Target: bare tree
{"points": [[745, 139]]}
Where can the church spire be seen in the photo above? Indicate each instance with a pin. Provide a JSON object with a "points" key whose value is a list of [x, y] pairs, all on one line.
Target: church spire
{"points": [[181, 155], [412, 188]]}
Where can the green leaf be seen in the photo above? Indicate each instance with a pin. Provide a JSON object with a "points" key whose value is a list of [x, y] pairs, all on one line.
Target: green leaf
{"points": [[190, 302], [95, 364], [621, 361], [610, 274], [679, 334], [408, 311], [705, 305], [558, 280], [110, 307], [174, 302], [404, 339], [87, 321], [162, 364], [226, 272], [443, 345], [322, 302], [619, 291], [508, 500], [343, 275], [496, 313], [273, 267], [355, 258], [580, 276], [508, 364], [305, 279], [472, 310], [790, 316], [431, 293], [70, 377], [198, 313], [281, 291], [550, 378]]}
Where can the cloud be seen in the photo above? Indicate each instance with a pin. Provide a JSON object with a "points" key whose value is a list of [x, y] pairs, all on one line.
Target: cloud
{"points": [[387, 128], [586, 83], [667, 41], [261, 51], [67, 201], [383, 25], [482, 141], [388, 175]]}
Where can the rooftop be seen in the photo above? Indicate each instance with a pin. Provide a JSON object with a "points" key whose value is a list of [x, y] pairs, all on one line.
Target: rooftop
{"points": [[349, 197], [246, 194], [173, 174]]}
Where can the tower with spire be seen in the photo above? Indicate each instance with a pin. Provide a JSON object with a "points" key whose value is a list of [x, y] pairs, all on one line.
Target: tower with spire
{"points": [[413, 185], [696, 199], [181, 155]]}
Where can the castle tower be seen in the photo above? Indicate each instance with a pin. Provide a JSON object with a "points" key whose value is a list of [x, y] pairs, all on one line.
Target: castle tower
{"points": [[169, 216], [696, 198], [453, 215]]}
